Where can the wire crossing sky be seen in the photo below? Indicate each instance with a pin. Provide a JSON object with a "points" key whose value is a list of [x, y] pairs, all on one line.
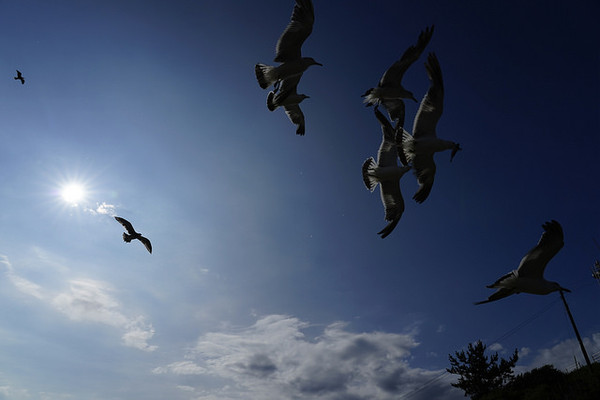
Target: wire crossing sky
{"points": [[267, 278]]}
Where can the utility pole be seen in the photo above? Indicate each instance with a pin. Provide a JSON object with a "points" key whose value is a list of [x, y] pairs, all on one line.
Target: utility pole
{"points": [[587, 359]]}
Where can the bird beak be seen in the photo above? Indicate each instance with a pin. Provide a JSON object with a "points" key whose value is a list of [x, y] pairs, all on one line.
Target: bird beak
{"points": [[317, 63], [454, 151], [565, 290], [414, 99]]}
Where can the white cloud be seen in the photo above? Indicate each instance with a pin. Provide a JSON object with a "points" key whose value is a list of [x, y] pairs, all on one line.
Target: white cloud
{"points": [[87, 300], [103, 208], [563, 354], [274, 359], [497, 347]]}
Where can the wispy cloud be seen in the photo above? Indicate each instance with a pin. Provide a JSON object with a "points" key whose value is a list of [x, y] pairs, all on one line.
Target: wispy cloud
{"points": [[274, 359], [87, 300], [103, 208]]}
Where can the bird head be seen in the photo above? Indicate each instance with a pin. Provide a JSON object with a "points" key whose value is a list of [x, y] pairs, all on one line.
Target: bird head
{"points": [[311, 61], [455, 150]]}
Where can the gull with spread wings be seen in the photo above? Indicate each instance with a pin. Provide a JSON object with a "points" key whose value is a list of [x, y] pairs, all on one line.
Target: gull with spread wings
{"points": [[529, 276], [389, 90], [132, 234], [420, 147], [288, 98], [20, 77], [288, 49], [387, 174]]}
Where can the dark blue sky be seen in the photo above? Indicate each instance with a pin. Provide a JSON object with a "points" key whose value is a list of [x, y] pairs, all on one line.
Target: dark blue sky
{"points": [[267, 276]]}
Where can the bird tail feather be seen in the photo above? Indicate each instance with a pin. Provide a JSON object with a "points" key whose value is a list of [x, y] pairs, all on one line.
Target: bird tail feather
{"points": [[127, 238], [264, 75], [367, 168]]}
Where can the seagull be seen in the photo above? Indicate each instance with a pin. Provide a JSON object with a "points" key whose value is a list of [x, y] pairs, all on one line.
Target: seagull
{"points": [[133, 234], [387, 173], [288, 49], [20, 77], [389, 90], [290, 100], [420, 147], [529, 276]]}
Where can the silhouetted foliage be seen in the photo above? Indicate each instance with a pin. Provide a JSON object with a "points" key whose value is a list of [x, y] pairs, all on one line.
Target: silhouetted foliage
{"points": [[478, 374], [548, 383]]}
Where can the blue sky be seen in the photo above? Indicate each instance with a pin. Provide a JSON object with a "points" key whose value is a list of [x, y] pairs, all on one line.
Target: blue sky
{"points": [[267, 278]]}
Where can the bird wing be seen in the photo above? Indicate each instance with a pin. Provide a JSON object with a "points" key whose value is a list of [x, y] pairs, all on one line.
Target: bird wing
{"points": [[126, 224], [19, 75], [395, 109], [497, 295], [296, 115], [146, 243], [432, 105], [534, 262], [300, 27], [387, 155], [393, 204], [393, 75], [424, 168]]}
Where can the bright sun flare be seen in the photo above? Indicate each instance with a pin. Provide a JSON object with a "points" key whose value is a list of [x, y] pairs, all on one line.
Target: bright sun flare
{"points": [[73, 193]]}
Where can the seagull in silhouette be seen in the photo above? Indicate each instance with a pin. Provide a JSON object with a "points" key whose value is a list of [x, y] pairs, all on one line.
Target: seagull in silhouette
{"points": [[387, 174], [288, 49], [20, 77], [132, 234], [288, 98], [389, 90], [420, 147], [529, 276]]}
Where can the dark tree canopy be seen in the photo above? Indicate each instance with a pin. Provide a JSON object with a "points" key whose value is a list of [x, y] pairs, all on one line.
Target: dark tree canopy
{"points": [[479, 374]]}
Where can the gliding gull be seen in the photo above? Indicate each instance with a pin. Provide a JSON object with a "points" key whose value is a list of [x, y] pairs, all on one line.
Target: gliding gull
{"points": [[529, 276], [421, 146], [389, 90], [133, 234], [288, 98], [288, 49], [20, 77], [387, 173]]}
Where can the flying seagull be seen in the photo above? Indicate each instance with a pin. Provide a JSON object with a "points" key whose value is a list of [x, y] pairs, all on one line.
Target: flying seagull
{"points": [[20, 77], [288, 98], [529, 276], [387, 173], [420, 147], [389, 90], [132, 234], [288, 49]]}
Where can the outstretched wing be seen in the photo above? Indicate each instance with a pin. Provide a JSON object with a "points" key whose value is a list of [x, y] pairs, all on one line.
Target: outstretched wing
{"points": [[424, 168], [296, 115], [126, 224], [432, 105], [300, 27], [393, 204], [534, 262], [497, 295], [393, 75], [146, 243]]}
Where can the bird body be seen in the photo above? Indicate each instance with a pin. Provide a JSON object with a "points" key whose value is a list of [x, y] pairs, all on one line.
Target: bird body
{"points": [[268, 75], [387, 173], [529, 276], [132, 234]]}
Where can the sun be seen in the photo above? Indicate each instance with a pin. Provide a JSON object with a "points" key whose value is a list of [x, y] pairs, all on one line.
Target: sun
{"points": [[73, 193]]}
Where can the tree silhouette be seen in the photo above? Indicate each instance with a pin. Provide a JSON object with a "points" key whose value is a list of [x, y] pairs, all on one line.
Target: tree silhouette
{"points": [[478, 374]]}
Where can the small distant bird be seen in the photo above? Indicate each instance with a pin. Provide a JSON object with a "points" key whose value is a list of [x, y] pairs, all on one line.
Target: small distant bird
{"points": [[423, 144], [389, 90], [288, 49], [387, 174], [132, 234], [20, 77], [288, 98], [529, 276]]}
